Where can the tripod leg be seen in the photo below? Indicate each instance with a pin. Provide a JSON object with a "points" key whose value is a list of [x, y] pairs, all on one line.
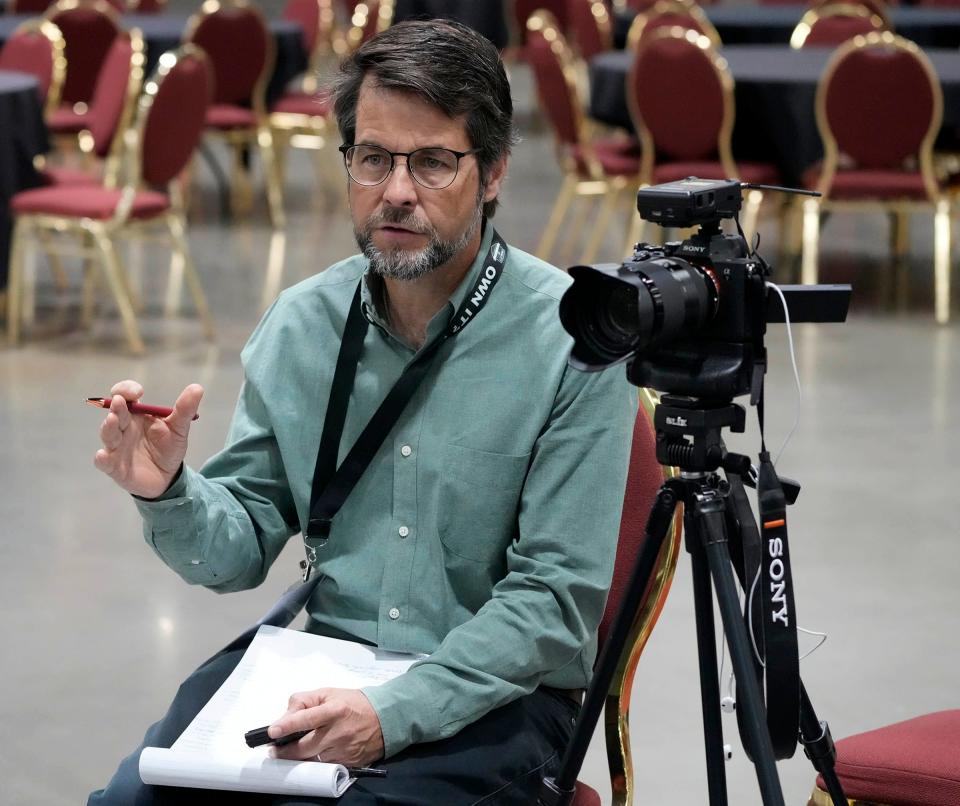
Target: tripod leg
{"points": [[559, 791], [818, 747], [709, 508], [707, 655]]}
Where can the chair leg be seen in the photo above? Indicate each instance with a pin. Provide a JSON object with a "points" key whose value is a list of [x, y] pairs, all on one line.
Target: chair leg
{"points": [[56, 265], [241, 193], [15, 281], [811, 241], [175, 223], [941, 261], [275, 261], [601, 225], [567, 191], [636, 227], [112, 270], [272, 177], [581, 206]]}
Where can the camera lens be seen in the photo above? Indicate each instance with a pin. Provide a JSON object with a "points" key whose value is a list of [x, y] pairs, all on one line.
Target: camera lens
{"points": [[613, 312]]}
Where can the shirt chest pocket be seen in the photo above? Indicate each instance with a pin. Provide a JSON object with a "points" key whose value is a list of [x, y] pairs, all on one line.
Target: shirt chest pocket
{"points": [[479, 495]]}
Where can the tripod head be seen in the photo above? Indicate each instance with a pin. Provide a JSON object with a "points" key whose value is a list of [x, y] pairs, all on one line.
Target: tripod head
{"points": [[689, 434]]}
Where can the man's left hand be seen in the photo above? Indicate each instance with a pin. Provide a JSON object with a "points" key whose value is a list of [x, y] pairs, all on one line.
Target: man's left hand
{"points": [[344, 728]]}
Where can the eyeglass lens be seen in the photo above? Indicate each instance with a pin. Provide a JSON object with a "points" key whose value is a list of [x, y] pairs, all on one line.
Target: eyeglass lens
{"points": [[432, 167]]}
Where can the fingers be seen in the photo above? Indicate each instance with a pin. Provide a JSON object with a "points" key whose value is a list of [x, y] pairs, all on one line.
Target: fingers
{"points": [[185, 408], [303, 719], [129, 390]]}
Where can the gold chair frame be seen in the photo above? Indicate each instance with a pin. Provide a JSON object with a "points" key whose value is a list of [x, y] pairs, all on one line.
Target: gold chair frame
{"points": [[663, 7], [345, 43], [813, 15], [617, 706], [261, 135], [98, 237], [900, 209], [754, 198], [574, 186], [602, 17]]}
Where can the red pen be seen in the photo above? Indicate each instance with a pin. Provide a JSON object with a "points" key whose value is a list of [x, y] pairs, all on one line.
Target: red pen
{"points": [[135, 408]]}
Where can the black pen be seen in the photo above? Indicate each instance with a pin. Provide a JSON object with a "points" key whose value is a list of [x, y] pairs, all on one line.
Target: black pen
{"points": [[366, 772], [259, 736]]}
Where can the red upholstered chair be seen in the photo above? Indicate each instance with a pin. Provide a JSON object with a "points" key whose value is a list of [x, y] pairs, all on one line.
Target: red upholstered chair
{"points": [[88, 26], [644, 5], [669, 14], [879, 107], [368, 19], [608, 167], [169, 123], [110, 113], [235, 36], [835, 23], [37, 47], [678, 68], [643, 481], [911, 763], [519, 11], [878, 7]]}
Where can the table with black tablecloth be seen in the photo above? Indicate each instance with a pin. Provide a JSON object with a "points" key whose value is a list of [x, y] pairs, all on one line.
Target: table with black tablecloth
{"points": [[23, 135], [773, 24], [163, 32], [775, 91], [487, 16]]}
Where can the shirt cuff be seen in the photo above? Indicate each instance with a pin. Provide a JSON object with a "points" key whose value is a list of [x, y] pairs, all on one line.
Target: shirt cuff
{"points": [[176, 489], [406, 712]]}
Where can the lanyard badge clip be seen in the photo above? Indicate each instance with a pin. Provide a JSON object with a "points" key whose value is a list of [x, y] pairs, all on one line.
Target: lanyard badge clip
{"points": [[315, 538]]}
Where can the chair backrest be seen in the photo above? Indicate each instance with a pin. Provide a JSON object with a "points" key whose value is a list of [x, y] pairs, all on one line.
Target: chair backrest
{"points": [[834, 24], [878, 7], [147, 6], [241, 49], [590, 27], [669, 14], [519, 11], [115, 96], [644, 5], [677, 68], [369, 18], [41, 6], [554, 73], [879, 104], [89, 27], [644, 478], [37, 47], [171, 115], [308, 15]]}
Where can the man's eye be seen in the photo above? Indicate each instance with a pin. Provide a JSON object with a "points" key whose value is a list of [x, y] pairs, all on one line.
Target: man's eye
{"points": [[373, 160]]}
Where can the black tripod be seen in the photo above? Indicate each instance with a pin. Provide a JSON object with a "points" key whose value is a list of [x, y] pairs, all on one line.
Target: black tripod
{"points": [[705, 498]]}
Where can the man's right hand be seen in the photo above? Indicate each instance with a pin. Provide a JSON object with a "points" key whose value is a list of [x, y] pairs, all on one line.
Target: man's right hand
{"points": [[142, 453]]}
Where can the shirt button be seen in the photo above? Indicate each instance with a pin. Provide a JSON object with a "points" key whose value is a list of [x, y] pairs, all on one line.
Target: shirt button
{"points": [[404, 531], [394, 613], [406, 450]]}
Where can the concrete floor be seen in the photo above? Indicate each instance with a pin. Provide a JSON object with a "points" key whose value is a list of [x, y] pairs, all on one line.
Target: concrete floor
{"points": [[98, 632]]}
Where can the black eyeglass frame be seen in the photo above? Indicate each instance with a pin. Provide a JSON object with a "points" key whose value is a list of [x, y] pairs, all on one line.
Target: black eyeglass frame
{"points": [[343, 149]]}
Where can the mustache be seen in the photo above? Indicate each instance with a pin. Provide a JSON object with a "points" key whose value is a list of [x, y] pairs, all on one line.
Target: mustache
{"points": [[397, 216]]}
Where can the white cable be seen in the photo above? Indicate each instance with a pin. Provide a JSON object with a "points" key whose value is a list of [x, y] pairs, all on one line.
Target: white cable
{"points": [[753, 640], [793, 361]]}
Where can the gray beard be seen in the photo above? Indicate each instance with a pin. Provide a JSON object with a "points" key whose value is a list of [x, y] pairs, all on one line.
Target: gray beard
{"points": [[399, 264]]}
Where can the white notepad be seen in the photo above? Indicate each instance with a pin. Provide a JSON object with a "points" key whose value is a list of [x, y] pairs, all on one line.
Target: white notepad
{"points": [[212, 754]]}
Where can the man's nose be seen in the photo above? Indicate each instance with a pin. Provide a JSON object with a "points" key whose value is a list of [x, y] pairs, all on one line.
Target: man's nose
{"points": [[399, 187]]}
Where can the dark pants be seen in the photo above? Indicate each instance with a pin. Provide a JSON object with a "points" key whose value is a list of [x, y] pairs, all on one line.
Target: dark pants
{"points": [[499, 759]]}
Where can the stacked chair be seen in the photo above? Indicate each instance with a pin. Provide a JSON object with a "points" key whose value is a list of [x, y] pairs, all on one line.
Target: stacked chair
{"points": [[170, 118], [592, 166], [879, 107], [678, 68]]}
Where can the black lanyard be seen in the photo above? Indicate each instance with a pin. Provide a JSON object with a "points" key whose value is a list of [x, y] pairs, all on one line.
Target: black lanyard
{"points": [[332, 484]]}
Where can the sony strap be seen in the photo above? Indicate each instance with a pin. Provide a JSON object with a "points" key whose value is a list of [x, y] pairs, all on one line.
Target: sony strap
{"points": [[332, 484]]}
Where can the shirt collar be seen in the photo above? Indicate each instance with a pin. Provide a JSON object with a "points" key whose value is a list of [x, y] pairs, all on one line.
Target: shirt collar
{"points": [[373, 300]]}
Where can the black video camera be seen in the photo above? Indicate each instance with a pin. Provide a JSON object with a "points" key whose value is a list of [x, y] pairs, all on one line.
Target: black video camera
{"points": [[689, 316]]}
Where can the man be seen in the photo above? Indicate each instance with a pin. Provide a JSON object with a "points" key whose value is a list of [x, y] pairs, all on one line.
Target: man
{"points": [[483, 531]]}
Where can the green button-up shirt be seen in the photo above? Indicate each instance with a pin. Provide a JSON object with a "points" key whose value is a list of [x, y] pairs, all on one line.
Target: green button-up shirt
{"points": [[483, 533]]}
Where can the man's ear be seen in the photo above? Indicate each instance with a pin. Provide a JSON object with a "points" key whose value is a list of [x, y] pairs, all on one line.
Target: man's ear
{"points": [[495, 177]]}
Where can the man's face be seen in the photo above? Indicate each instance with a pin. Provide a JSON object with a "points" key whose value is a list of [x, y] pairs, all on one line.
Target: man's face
{"points": [[405, 229]]}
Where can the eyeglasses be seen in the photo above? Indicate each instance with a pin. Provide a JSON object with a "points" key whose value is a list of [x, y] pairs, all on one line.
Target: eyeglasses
{"points": [[434, 168]]}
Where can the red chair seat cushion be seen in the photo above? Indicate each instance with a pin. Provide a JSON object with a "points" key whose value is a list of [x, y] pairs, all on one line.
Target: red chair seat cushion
{"points": [[63, 120], [56, 175], [617, 157], [230, 116], [754, 172], [911, 763], [871, 183], [302, 103], [98, 203]]}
